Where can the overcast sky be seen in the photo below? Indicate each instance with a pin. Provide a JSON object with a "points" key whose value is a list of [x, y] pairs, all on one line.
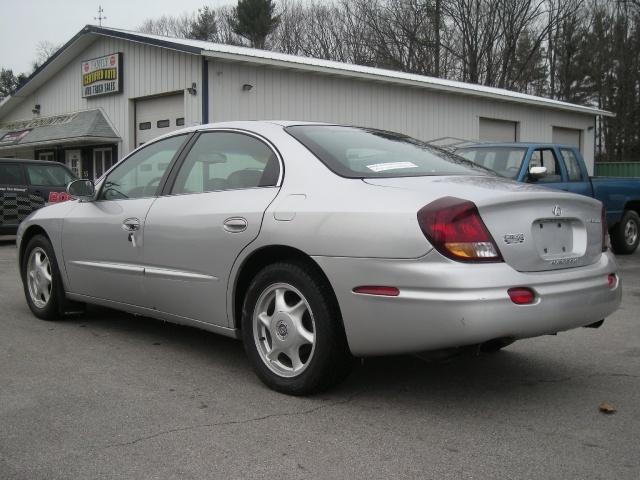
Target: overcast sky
{"points": [[24, 23]]}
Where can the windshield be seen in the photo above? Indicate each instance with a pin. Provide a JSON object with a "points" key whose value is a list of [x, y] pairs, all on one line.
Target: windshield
{"points": [[354, 152], [505, 161], [49, 175]]}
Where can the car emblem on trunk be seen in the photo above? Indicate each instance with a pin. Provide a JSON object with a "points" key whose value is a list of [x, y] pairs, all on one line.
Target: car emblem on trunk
{"points": [[557, 211]]}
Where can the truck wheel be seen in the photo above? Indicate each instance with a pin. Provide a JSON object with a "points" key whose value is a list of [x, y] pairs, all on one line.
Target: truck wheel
{"points": [[626, 235], [292, 331]]}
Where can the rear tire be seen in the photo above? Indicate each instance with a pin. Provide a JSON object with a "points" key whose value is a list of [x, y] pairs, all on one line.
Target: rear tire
{"points": [[41, 280], [625, 236], [292, 330]]}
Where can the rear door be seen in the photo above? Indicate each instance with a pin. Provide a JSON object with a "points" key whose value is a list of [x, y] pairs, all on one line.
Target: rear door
{"points": [[15, 203], [103, 240], [212, 211], [576, 178]]}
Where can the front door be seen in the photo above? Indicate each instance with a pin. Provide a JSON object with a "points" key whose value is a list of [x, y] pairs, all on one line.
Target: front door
{"points": [[213, 211], [73, 160], [103, 240]]}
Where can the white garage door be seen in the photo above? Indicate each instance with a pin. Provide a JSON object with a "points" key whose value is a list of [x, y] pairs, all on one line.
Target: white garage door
{"points": [[157, 116], [494, 130], [567, 136]]}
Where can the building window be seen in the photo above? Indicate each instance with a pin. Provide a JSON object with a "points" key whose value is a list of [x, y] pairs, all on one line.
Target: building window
{"points": [[163, 123], [49, 156], [179, 122], [145, 126], [102, 161]]}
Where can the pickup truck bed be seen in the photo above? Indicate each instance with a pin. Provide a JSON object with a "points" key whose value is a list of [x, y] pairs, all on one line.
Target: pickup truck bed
{"points": [[566, 170]]}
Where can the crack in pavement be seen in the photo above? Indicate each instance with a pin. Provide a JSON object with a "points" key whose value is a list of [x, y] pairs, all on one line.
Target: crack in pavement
{"points": [[227, 423]]}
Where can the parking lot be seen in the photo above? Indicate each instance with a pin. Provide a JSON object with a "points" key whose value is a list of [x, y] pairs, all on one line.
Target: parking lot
{"points": [[109, 395]]}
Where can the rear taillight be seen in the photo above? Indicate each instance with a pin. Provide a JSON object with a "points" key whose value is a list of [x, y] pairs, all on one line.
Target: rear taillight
{"points": [[454, 227], [605, 232]]}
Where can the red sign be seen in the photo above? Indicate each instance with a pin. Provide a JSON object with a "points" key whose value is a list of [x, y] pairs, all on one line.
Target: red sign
{"points": [[57, 197]]}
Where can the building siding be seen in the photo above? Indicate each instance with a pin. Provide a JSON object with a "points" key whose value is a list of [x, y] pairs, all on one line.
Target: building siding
{"points": [[280, 94], [147, 71]]}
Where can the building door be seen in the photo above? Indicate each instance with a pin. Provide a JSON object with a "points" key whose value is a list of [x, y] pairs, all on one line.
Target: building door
{"points": [[73, 160], [157, 116], [570, 137], [494, 130], [102, 161]]}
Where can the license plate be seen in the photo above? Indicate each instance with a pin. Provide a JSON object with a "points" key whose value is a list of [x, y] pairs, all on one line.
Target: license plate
{"points": [[553, 237]]}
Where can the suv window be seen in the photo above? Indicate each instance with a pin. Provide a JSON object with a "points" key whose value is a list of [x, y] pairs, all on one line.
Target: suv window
{"points": [[11, 174], [544, 157], [139, 175], [48, 175], [572, 164], [226, 161]]}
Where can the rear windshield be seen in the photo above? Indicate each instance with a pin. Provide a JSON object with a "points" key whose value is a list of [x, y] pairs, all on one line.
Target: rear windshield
{"points": [[366, 153], [505, 161], [48, 175]]}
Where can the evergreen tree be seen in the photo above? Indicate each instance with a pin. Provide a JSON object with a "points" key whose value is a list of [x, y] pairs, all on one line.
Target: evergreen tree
{"points": [[255, 20], [204, 25]]}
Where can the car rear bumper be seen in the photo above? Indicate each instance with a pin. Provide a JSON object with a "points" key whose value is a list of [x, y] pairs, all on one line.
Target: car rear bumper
{"points": [[444, 304]]}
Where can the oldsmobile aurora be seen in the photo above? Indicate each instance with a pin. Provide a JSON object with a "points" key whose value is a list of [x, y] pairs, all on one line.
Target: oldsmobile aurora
{"points": [[315, 243]]}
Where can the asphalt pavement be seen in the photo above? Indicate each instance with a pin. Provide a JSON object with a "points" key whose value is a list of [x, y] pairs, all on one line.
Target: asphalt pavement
{"points": [[109, 395]]}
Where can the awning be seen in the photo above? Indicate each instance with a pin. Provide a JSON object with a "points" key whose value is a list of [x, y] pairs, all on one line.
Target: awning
{"points": [[84, 127]]}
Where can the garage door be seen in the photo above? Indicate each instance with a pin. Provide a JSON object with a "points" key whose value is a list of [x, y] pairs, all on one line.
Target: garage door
{"points": [[494, 130], [567, 136], [157, 116]]}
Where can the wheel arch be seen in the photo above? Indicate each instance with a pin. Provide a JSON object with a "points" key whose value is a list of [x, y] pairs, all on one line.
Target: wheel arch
{"points": [[633, 205], [268, 255], [28, 234]]}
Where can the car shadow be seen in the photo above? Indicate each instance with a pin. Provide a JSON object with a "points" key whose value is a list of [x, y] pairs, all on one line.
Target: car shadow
{"points": [[469, 380]]}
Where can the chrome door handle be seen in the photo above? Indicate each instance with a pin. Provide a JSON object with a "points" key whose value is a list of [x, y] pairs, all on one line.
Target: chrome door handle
{"points": [[131, 225], [235, 224]]}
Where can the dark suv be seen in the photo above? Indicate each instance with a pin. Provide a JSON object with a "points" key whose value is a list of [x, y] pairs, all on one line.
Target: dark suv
{"points": [[26, 185]]}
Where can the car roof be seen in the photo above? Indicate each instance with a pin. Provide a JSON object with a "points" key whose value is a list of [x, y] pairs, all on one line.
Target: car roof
{"points": [[30, 160]]}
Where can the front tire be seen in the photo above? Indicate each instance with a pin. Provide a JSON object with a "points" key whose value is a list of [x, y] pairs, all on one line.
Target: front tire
{"points": [[292, 330], [41, 279], [626, 235]]}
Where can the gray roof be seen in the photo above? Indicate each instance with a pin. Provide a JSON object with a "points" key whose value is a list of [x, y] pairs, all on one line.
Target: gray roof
{"points": [[81, 126]]}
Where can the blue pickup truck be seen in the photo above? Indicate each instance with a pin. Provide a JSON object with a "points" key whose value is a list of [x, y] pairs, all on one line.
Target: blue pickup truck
{"points": [[562, 167]]}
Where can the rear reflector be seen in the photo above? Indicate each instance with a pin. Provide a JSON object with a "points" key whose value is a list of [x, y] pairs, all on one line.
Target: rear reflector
{"points": [[521, 295], [454, 227], [612, 280], [377, 290]]}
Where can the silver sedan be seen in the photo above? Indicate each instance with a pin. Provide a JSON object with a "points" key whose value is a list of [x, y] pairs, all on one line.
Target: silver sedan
{"points": [[318, 243]]}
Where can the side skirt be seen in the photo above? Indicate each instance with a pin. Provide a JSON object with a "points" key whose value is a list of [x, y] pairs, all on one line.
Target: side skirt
{"points": [[148, 312]]}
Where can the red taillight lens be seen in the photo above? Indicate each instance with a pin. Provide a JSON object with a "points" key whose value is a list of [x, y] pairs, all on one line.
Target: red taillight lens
{"points": [[612, 280], [605, 232], [454, 227], [521, 295], [377, 290]]}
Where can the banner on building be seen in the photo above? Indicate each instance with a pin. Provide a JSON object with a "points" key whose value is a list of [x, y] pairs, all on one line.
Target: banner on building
{"points": [[102, 75]]}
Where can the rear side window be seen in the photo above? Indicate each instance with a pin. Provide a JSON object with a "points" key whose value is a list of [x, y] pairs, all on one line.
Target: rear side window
{"points": [[227, 161], [48, 175], [11, 174], [572, 164], [505, 161], [367, 153]]}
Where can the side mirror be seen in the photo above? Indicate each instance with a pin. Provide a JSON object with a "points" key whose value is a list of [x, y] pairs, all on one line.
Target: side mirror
{"points": [[83, 190], [537, 172]]}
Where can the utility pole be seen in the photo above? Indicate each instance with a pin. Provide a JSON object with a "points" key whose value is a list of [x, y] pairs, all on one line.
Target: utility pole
{"points": [[100, 17]]}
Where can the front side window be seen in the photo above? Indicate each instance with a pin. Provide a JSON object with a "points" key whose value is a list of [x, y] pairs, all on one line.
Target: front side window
{"points": [[544, 157], [49, 175], [572, 164], [226, 161], [139, 175], [367, 153], [11, 174], [505, 161]]}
